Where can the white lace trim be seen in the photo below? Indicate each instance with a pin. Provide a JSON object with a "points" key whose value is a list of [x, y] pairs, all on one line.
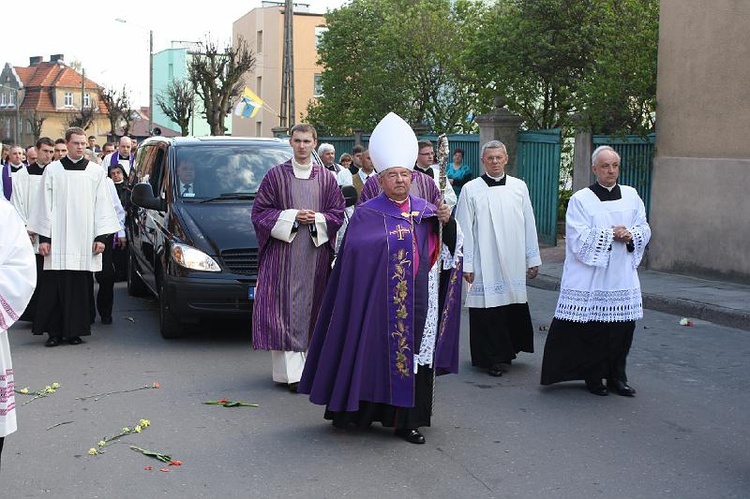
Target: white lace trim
{"points": [[603, 306], [451, 261], [639, 241], [424, 357], [499, 287], [596, 246]]}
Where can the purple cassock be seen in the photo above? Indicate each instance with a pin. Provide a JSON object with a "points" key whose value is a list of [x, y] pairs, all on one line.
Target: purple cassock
{"points": [[371, 321], [7, 186], [292, 276]]}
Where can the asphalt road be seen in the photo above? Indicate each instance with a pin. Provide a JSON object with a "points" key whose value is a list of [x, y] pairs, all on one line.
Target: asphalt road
{"points": [[684, 435]]}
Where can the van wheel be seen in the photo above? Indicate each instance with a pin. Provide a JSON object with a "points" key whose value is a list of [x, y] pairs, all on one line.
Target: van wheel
{"points": [[169, 325], [136, 286]]}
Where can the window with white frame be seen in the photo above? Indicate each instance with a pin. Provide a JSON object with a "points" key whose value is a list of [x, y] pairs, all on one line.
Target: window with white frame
{"points": [[318, 86], [29, 127], [86, 100], [68, 101], [2, 100], [319, 32]]}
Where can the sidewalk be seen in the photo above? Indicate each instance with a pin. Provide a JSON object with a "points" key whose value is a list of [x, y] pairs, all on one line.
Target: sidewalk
{"points": [[719, 302]]}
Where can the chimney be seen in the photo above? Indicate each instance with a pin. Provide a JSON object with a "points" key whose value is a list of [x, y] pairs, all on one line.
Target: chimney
{"points": [[57, 58], [33, 61]]}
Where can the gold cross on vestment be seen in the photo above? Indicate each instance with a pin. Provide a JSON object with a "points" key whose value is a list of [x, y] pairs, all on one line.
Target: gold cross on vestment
{"points": [[400, 231]]}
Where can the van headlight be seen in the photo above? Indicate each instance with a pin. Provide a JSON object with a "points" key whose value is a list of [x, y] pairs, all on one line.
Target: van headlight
{"points": [[194, 259]]}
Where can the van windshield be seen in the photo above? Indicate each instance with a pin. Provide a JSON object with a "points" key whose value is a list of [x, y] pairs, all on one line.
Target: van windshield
{"points": [[208, 171]]}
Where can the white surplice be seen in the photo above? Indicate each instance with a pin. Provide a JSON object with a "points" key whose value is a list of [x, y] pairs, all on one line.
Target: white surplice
{"points": [[74, 208], [500, 241], [24, 196], [600, 277], [17, 282]]}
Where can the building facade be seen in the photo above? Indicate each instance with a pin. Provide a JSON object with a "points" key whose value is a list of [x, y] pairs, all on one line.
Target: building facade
{"points": [[700, 208], [172, 65], [263, 29], [42, 99]]}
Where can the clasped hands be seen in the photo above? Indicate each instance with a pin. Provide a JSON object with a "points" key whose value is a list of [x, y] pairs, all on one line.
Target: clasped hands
{"points": [[306, 217], [622, 234]]}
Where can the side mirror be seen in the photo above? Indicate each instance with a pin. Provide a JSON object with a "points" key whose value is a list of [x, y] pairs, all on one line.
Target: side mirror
{"points": [[350, 195], [143, 196]]}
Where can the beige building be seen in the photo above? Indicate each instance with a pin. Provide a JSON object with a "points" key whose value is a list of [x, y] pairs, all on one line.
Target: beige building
{"points": [[263, 29], [700, 212], [43, 98]]}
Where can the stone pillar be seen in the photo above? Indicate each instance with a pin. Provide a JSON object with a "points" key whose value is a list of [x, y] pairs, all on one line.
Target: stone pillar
{"points": [[358, 137], [279, 131], [500, 124], [420, 129], [582, 149]]}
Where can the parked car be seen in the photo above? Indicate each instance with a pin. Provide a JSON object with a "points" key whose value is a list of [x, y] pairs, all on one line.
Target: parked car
{"points": [[192, 243]]}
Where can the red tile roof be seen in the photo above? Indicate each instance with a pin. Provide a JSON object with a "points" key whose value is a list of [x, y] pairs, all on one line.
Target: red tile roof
{"points": [[40, 81]]}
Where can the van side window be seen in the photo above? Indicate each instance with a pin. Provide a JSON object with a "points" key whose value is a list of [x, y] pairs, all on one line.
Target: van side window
{"points": [[144, 163], [159, 173]]}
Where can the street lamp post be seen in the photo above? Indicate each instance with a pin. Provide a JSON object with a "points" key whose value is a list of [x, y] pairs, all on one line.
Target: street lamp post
{"points": [[150, 81], [150, 72]]}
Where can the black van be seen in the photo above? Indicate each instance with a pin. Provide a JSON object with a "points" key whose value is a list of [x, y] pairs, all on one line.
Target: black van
{"points": [[192, 242]]}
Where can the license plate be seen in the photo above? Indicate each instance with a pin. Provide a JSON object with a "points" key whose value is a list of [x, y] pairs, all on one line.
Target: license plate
{"points": [[251, 293]]}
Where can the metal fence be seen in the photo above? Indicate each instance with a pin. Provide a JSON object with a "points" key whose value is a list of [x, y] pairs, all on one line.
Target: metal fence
{"points": [[636, 160], [538, 164]]}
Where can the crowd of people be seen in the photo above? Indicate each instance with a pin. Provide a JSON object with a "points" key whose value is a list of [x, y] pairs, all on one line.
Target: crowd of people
{"points": [[358, 302]]}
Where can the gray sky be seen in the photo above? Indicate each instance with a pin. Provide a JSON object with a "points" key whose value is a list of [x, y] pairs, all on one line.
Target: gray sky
{"points": [[114, 53]]}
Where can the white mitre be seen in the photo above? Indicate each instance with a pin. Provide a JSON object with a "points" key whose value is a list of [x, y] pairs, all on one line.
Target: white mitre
{"points": [[393, 144]]}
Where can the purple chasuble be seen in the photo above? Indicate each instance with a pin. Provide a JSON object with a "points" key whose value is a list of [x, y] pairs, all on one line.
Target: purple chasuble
{"points": [[371, 321], [422, 186], [292, 276]]}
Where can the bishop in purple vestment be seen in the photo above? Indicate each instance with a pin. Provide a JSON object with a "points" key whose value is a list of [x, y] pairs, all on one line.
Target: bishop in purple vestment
{"points": [[380, 336], [296, 214]]}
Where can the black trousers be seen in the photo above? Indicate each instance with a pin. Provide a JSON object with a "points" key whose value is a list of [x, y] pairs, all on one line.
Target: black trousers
{"points": [[586, 351], [30, 312], [106, 279], [497, 334], [408, 418], [120, 261], [63, 308]]}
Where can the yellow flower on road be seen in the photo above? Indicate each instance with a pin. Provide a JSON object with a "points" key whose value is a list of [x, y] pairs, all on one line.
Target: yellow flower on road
{"points": [[93, 452]]}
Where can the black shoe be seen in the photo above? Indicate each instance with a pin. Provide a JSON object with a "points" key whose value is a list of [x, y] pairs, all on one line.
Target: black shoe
{"points": [[75, 340], [292, 387], [597, 387], [53, 341], [107, 320], [411, 436], [621, 388], [495, 371]]}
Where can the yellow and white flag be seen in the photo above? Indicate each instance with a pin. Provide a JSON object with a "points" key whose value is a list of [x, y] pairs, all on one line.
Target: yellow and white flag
{"points": [[249, 105]]}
